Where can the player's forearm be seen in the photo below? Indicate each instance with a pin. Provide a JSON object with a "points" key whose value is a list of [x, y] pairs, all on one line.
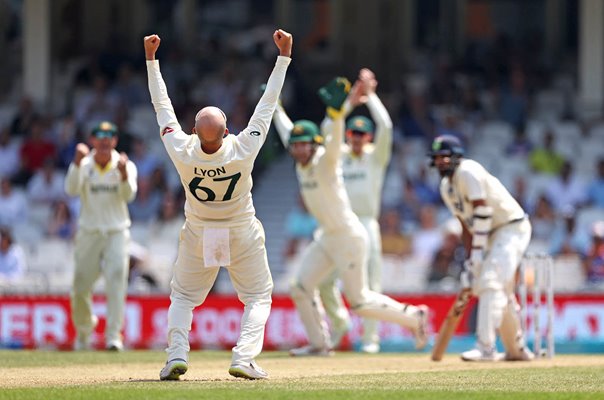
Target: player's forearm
{"points": [[159, 95], [72, 180], [383, 122], [333, 131], [261, 119], [129, 186], [283, 124]]}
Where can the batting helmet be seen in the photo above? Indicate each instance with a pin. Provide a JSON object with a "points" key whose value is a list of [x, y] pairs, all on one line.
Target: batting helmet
{"points": [[449, 146]]}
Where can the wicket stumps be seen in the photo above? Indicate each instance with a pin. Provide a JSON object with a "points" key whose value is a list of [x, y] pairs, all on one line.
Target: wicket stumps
{"points": [[541, 268]]}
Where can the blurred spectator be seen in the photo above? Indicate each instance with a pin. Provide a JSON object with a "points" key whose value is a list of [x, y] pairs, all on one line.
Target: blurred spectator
{"points": [[448, 259], [96, 104], [158, 180], [425, 192], [520, 145], [520, 193], [46, 186], [595, 190], [543, 220], [170, 220], [428, 238], [566, 190], [513, 101], [12, 259], [146, 205], [394, 243], [62, 225], [13, 205], [129, 88], [145, 161], [545, 159], [594, 262], [409, 205], [416, 118], [68, 136], [566, 240], [35, 150], [25, 117], [451, 124], [299, 228], [140, 277], [9, 154]]}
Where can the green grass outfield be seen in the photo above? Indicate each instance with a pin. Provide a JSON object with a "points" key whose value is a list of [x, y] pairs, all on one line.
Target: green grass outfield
{"points": [[134, 375]]}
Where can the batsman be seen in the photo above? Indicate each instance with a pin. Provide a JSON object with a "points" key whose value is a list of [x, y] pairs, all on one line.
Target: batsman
{"points": [[496, 233]]}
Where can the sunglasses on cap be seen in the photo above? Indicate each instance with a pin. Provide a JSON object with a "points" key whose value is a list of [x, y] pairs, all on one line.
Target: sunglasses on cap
{"points": [[103, 134]]}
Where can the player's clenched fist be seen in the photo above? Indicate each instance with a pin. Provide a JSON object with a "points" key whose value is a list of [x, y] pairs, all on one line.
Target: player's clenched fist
{"points": [[81, 151], [151, 45], [284, 42]]}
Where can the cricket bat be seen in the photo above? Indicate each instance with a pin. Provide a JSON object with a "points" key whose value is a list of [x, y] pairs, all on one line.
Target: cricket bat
{"points": [[450, 323]]}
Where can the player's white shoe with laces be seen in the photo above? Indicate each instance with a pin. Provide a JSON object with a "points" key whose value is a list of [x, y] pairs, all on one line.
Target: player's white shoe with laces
{"points": [[248, 371], [421, 332], [482, 353], [173, 370], [309, 350]]}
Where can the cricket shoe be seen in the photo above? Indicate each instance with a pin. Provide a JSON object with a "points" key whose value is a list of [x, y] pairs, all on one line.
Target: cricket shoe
{"points": [[173, 370], [421, 332], [482, 353], [370, 348], [115, 345], [248, 371], [82, 341], [311, 351], [525, 355], [337, 334]]}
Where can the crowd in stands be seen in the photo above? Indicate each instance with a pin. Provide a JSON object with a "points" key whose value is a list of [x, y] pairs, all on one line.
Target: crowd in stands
{"points": [[513, 117]]}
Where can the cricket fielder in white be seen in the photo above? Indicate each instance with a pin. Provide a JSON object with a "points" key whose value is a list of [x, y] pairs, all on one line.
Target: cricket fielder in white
{"points": [[496, 232], [220, 228], [341, 241], [363, 165], [105, 181]]}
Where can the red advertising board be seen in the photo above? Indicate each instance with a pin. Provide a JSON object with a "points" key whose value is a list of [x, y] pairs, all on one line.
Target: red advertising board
{"points": [[44, 321]]}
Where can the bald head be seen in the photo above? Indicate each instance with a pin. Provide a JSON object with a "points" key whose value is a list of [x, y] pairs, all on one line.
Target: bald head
{"points": [[210, 125]]}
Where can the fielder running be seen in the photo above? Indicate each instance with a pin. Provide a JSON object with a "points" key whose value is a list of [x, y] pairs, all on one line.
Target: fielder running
{"points": [[105, 180], [496, 232], [221, 228], [341, 241]]}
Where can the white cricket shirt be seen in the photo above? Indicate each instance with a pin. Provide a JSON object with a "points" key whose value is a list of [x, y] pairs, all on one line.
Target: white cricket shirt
{"points": [[217, 186]]}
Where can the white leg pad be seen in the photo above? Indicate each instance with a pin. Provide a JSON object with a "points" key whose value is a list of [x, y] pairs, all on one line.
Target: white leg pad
{"points": [[511, 329], [491, 304]]}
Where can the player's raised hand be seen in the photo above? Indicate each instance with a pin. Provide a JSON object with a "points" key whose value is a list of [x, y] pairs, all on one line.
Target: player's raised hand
{"points": [[81, 151], [121, 165], [357, 95], [367, 77], [284, 42], [151, 45]]}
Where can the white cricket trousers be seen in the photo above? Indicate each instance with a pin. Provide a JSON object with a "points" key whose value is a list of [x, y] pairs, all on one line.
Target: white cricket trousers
{"points": [[494, 286], [95, 253], [344, 251], [192, 281], [332, 298]]}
